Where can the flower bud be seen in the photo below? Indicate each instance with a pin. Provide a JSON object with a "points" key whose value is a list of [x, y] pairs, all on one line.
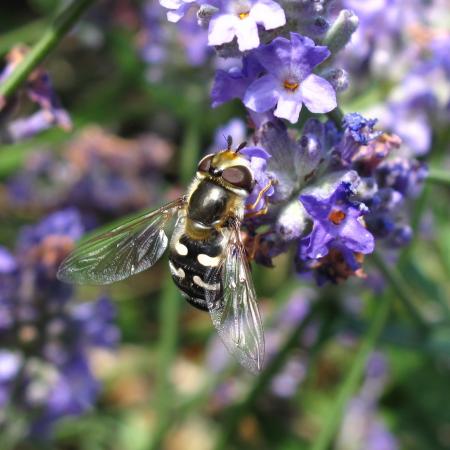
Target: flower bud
{"points": [[205, 13], [338, 78], [292, 221], [340, 33]]}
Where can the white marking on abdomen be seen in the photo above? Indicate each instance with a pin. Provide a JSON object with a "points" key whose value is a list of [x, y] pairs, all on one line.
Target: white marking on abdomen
{"points": [[210, 287], [208, 261], [180, 273], [181, 249]]}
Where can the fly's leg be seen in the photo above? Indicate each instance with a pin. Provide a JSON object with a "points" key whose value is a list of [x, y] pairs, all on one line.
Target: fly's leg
{"points": [[260, 196]]}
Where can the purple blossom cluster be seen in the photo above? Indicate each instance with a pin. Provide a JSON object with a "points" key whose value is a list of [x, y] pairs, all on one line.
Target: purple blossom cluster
{"points": [[97, 172], [39, 90], [335, 188], [334, 193], [278, 77], [415, 35], [271, 56], [160, 44], [46, 339]]}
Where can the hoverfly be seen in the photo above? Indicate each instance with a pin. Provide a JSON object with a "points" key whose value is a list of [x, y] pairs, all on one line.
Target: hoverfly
{"points": [[207, 257]]}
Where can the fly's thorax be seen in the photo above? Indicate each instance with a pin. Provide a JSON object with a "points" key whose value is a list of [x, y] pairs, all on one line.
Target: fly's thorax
{"points": [[211, 204]]}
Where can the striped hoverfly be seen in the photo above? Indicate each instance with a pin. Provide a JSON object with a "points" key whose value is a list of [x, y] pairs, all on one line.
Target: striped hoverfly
{"points": [[207, 258]]}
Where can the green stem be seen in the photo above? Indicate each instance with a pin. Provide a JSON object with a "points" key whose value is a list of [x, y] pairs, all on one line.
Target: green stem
{"points": [[168, 324], [50, 39], [261, 382], [439, 176], [353, 377], [401, 288]]}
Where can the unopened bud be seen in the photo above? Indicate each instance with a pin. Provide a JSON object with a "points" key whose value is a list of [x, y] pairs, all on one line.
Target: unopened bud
{"points": [[340, 33], [205, 13], [292, 222], [338, 78]]}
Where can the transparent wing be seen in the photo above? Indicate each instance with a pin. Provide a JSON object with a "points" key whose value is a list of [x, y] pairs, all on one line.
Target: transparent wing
{"points": [[233, 308], [121, 252]]}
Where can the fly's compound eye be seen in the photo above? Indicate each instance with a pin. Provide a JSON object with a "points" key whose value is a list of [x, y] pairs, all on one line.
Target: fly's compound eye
{"points": [[205, 164], [240, 177]]}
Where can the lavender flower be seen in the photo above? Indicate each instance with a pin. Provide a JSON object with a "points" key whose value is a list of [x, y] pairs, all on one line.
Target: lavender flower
{"points": [[334, 192], [409, 111], [336, 218], [235, 82], [289, 81], [45, 339], [240, 19], [97, 172], [157, 40], [40, 91], [358, 131]]}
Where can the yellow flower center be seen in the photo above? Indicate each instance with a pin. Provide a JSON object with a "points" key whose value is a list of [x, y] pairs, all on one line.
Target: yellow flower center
{"points": [[291, 85], [336, 216], [244, 15]]}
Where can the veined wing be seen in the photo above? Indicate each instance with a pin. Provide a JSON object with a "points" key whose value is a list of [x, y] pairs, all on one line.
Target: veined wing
{"points": [[233, 307], [121, 252]]}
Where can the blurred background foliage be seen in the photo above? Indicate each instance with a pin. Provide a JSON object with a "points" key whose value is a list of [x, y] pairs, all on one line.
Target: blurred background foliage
{"points": [[165, 386]]}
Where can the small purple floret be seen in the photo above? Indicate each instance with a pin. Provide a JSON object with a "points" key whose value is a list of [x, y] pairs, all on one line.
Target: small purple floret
{"points": [[289, 81]]}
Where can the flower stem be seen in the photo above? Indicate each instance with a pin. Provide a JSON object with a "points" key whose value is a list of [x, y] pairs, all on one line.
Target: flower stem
{"points": [[49, 40], [402, 290], [439, 176], [353, 377], [262, 381]]}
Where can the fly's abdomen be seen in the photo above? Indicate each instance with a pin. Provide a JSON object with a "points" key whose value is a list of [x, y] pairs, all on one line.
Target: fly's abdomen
{"points": [[192, 263]]}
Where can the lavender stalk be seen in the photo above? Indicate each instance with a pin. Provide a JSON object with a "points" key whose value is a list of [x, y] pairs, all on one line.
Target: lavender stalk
{"points": [[51, 38]]}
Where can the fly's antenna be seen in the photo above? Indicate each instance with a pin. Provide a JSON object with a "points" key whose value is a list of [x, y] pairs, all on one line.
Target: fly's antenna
{"points": [[229, 142], [241, 146]]}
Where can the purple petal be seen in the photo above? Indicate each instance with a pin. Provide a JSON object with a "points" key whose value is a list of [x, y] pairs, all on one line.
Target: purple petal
{"points": [[9, 365], [247, 34], [356, 237], [315, 208], [8, 263], [304, 50], [415, 131], [262, 94], [269, 14], [227, 86], [255, 152], [30, 126], [222, 29], [288, 107], [318, 94], [317, 242], [276, 55]]}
